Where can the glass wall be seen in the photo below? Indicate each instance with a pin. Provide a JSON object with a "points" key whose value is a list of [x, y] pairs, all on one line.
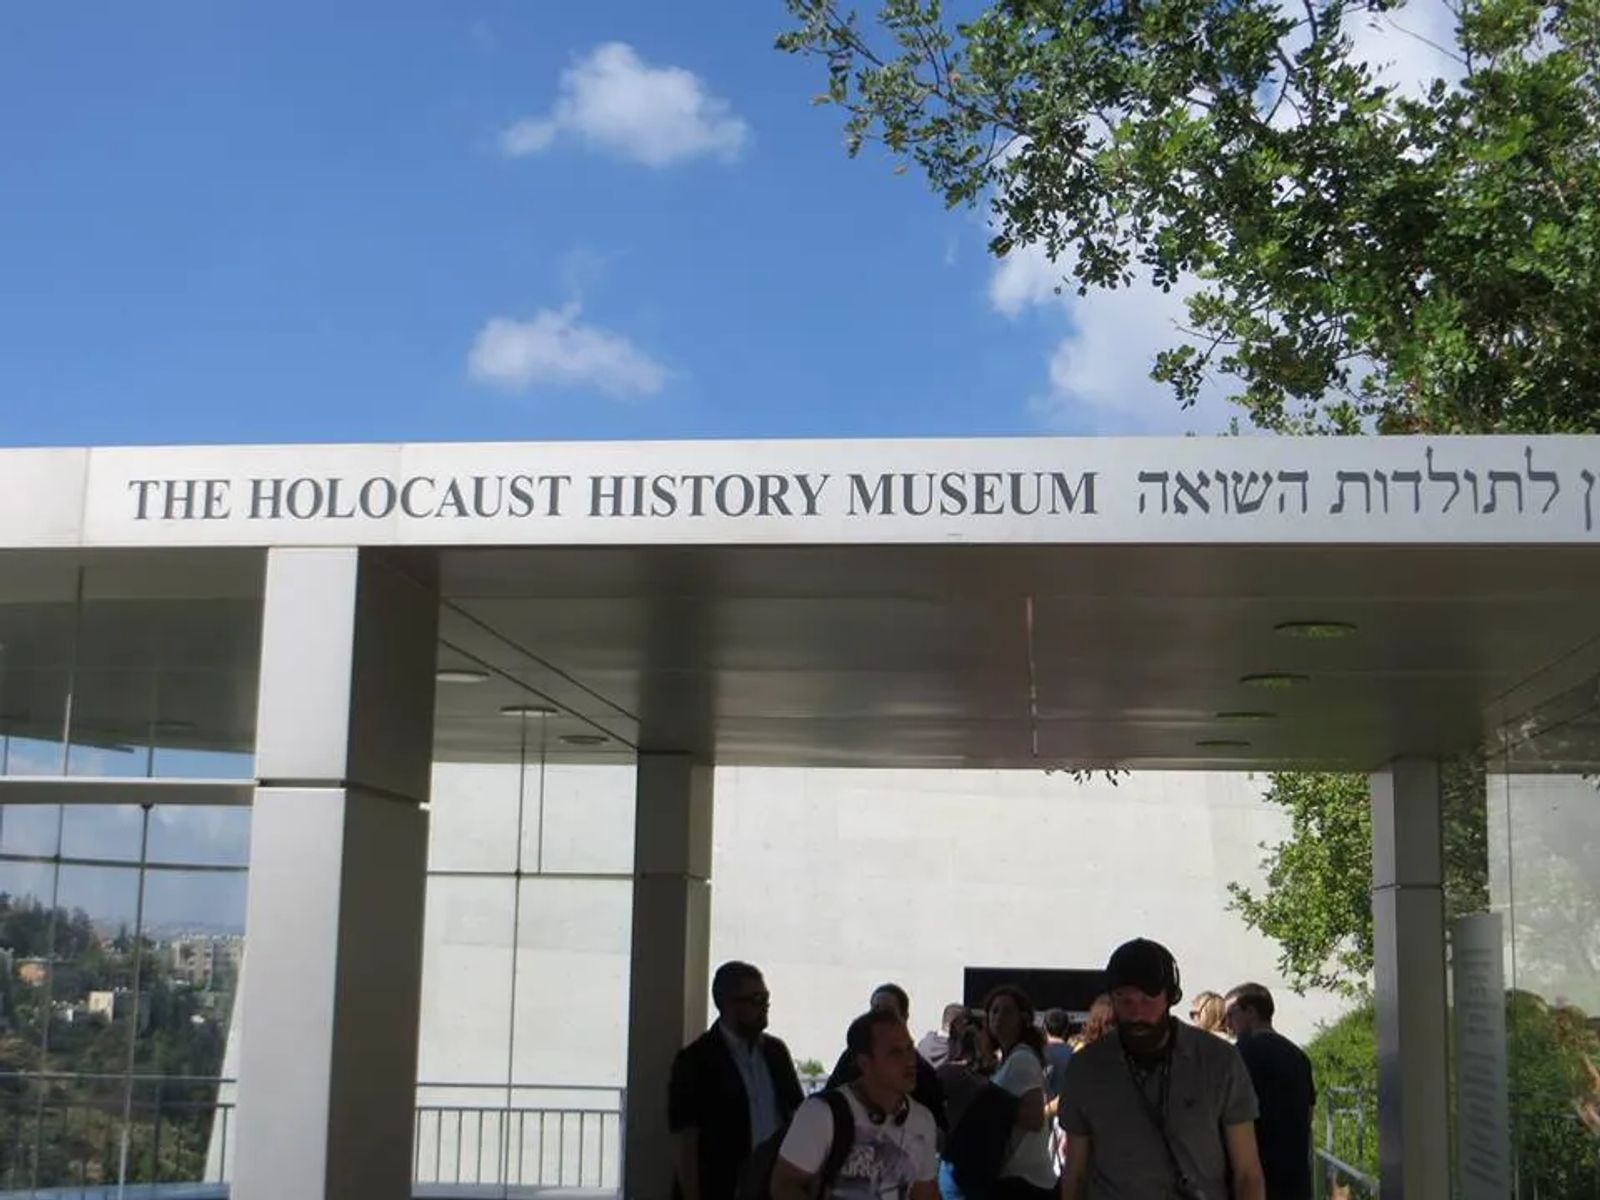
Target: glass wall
{"points": [[129, 665], [122, 938], [523, 1050], [122, 906], [1543, 853]]}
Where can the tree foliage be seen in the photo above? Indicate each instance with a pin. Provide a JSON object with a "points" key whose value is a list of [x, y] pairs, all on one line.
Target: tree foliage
{"points": [[64, 1104], [1553, 1088], [1344, 1063], [1352, 257], [1317, 901]]}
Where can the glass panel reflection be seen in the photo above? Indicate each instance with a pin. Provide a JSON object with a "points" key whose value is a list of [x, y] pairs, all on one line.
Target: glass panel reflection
{"points": [[194, 925], [529, 915], [118, 993], [31, 829], [1544, 854], [102, 831], [473, 816], [466, 972], [111, 666], [22, 755], [69, 933], [466, 1008], [573, 944], [200, 835], [582, 822], [572, 981]]}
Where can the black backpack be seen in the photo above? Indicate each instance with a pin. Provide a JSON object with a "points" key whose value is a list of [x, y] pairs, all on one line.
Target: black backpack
{"points": [[755, 1177]]}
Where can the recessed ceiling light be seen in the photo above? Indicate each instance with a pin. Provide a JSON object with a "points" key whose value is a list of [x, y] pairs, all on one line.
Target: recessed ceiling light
{"points": [[527, 710], [1315, 631], [585, 739], [1245, 715], [1274, 679], [1222, 744], [460, 675]]}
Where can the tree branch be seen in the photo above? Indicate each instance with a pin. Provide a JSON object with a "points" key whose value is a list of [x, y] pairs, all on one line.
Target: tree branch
{"points": [[1426, 41]]}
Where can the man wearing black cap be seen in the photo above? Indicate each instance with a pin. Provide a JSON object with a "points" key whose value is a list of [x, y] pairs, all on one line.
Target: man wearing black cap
{"points": [[1159, 1109]]}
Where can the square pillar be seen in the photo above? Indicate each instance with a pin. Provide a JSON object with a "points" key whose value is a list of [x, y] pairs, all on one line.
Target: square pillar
{"points": [[670, 957], [338, 869], [1409, 960]]}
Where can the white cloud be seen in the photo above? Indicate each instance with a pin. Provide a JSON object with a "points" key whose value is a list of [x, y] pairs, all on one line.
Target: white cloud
{"points": [[528, 136], [555, 348], [1409, 48], [1023, 278], [1098, 373], [614, 101]]}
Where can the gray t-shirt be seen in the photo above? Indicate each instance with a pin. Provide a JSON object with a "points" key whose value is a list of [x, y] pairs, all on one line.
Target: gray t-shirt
{"points": [[1209, 1089]]}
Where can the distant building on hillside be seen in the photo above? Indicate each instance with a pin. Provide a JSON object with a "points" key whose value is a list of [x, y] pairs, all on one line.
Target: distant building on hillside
{"points": [[205, 962], [117, 1005]]}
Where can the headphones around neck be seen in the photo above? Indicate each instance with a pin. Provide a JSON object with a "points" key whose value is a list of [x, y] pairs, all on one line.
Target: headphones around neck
{"points": [[879, 1116], [1174, 978]]}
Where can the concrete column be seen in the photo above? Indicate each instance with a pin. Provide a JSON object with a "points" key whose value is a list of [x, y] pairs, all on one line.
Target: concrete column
{"points": [[338, 867], [1413, 1019], [671, 949]]}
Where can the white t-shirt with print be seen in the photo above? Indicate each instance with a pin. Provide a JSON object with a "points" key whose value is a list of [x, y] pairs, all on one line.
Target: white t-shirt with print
{"points": [[884, 1160], [1030, 1159]]}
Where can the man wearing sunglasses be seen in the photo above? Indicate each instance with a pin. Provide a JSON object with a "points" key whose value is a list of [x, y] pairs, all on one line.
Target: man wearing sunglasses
{"points": [[731, 1089]]}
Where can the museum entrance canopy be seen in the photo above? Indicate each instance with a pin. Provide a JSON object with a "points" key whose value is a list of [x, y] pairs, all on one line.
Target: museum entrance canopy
{"points": [[265, 626], [1227, 603]]}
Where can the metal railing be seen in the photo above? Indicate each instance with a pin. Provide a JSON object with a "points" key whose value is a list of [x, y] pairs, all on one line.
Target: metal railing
{"points": [[88, 1130], [80, 1132], [1346, 1131], [1334, 1179], [523, 1147]]}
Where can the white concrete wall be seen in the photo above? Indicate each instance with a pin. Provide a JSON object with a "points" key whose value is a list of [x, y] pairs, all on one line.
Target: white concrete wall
{"points": [[834, 881], [572, 933]]}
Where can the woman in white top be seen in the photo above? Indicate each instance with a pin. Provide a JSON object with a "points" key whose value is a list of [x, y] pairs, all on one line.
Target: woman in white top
{"points": [[1029, 1172]]}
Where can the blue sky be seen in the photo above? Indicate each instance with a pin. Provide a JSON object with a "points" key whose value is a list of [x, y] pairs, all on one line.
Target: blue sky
{"points": [[294, 222], [519, 219]]}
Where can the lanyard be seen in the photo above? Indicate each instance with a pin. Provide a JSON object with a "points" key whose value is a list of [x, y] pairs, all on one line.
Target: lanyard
{"points": [[1163, 1071], [1158, 1112]]}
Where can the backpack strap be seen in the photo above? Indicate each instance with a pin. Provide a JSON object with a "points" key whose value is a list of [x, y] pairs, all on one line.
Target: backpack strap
{"points": [[844, 1136]]}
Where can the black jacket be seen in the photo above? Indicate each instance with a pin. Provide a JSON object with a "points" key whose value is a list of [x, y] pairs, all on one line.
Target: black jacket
{"points": [[707, 1093], [929, 1092]]}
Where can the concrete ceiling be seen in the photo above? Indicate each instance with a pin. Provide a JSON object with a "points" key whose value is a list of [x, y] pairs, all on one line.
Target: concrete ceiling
{"points": [[1086, 656], [941, 656]]}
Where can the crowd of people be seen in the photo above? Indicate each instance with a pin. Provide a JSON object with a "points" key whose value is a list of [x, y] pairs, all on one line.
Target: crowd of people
{"points": [[1002, 1102]]}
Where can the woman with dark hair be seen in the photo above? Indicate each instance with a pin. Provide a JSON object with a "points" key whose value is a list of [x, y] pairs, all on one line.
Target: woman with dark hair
{"points": [[1029, 1172]]}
